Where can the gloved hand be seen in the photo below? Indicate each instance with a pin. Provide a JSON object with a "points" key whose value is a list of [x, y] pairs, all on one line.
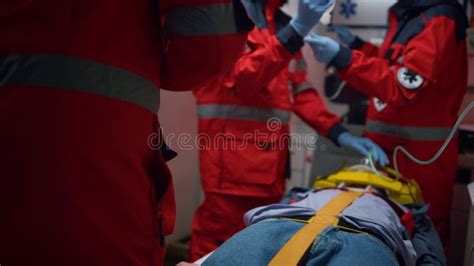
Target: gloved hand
{"points": [[324, 48], [363, 146], [308, 15], [344, 34], [255, 9]]}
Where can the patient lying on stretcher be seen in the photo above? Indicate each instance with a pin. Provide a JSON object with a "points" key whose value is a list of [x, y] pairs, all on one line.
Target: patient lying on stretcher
{"points": [[369, 229]]}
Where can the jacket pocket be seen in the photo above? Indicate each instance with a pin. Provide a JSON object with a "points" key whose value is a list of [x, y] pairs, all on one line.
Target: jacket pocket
{"points": [[253, 164], [253, 158]]}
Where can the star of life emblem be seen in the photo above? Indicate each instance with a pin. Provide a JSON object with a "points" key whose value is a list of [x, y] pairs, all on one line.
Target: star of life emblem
{"points": [[348, 9], [409, 79], [379, 105]]}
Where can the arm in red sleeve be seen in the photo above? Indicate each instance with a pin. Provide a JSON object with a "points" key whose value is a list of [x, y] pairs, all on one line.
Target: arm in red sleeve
{"points": [[204, 38], [310, 107], [267, 57], [366, 48], [403, 81]]}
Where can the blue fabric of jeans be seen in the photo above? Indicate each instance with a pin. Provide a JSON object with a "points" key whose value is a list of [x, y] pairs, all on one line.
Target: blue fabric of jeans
{"points": [[260, 242]]}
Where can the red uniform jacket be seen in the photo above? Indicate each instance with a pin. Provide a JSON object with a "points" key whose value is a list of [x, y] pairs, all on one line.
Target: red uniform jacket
{"points": [[251, 106], [416, 82], [79, 95]]}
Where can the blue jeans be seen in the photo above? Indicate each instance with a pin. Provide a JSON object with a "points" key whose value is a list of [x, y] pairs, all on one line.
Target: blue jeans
{"points": [[260, 242]]}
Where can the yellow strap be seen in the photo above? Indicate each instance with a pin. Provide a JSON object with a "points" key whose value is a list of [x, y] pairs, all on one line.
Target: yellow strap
{"points": [[296, 247]]}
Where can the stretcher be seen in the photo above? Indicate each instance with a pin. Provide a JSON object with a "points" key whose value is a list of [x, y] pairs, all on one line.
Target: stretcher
{"points": [[355, 180], [401, 189]]}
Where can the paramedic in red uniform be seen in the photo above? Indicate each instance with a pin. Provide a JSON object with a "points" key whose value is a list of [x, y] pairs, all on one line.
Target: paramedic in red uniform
{"points": [[416, 82], [79, 95], [267, 83]]}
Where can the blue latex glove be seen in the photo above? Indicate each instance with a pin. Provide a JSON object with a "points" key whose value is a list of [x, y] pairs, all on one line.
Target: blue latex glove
{"points": [[324, 48], [363, 146], [255, 9], [344, 34], [308, 15]]}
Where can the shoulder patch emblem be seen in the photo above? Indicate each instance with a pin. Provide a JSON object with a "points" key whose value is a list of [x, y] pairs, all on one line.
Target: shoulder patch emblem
{"points": [[409, 79]]}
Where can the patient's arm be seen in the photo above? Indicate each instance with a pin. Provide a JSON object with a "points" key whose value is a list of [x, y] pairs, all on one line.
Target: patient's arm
{"points": [[426, 241]]}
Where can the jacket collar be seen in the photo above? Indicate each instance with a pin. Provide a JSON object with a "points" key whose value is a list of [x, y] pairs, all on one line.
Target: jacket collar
{"points": [[406, 7]]}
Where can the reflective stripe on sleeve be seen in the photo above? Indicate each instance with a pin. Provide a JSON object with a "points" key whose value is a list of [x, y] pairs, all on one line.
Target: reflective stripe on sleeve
{"points": [[410, 133], [213, 19], [66, 72], [222, 111], [302, 87], [297, 66]]}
